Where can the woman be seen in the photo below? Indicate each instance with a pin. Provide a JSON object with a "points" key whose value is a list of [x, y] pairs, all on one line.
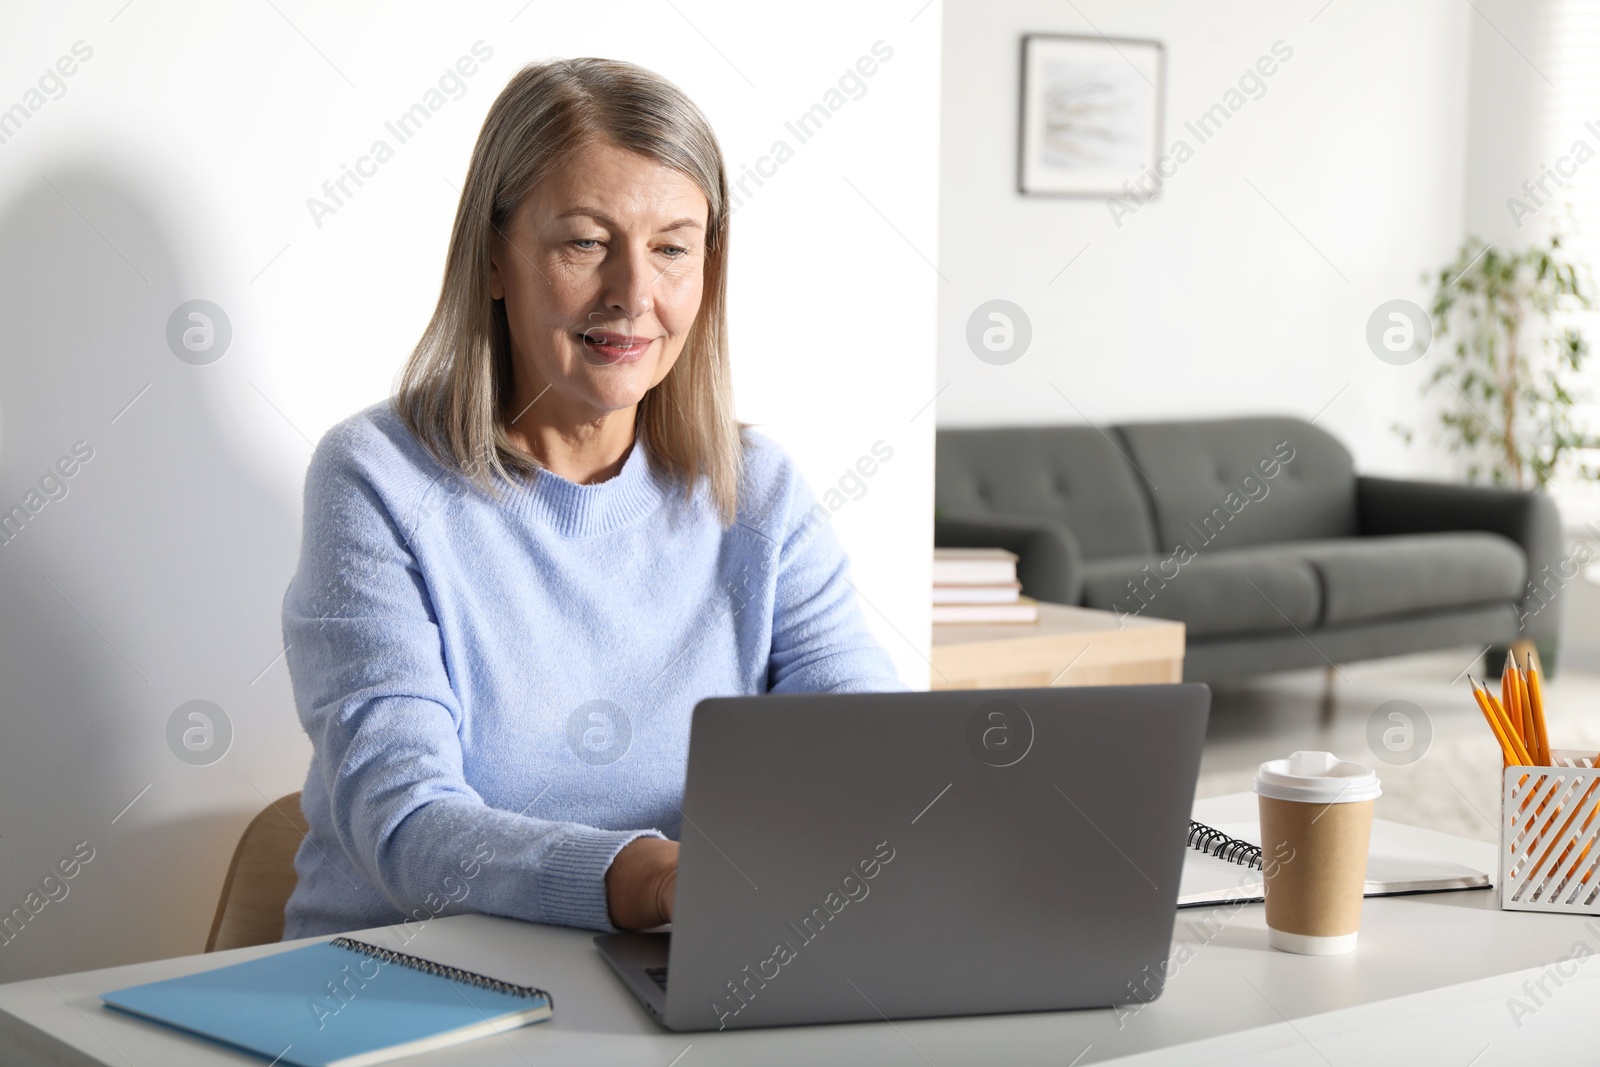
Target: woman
{"points": [[520, 574]]}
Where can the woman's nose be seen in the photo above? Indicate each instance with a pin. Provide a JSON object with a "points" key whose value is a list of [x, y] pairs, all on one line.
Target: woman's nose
{"points": [[629, 281]]}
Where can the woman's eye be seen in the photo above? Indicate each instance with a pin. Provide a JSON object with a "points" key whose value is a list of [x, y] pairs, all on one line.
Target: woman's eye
{"points": [[589, 244]]}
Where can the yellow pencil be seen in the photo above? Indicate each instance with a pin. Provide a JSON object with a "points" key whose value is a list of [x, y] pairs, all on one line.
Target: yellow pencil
{"points": [[1530, 735], [1509, 694], [1536, 708], [1518, 751], [1494, 722]]}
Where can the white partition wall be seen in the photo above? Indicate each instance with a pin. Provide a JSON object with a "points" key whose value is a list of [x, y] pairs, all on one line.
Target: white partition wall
{"points": [[1316, 169], [155, 153]]}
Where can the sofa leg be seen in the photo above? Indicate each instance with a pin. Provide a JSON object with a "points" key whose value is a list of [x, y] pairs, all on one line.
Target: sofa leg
{"points": [[1329, 677]]}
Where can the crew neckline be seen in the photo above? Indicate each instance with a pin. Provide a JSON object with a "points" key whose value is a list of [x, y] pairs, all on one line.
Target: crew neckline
{"points": [[572, 509]]}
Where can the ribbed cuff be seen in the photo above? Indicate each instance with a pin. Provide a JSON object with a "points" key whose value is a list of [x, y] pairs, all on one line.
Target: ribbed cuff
{"points": [[573, 889]]}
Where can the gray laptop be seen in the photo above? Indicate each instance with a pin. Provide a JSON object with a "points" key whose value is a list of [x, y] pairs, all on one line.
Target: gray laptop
{"points": [[895, 855]]}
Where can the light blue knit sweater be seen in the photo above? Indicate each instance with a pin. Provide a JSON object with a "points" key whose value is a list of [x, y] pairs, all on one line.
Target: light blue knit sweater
{"points": [[498, 694]]}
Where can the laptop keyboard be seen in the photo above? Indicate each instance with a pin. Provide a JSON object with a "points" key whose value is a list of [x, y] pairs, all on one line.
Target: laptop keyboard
{"points": [[658, 975]]}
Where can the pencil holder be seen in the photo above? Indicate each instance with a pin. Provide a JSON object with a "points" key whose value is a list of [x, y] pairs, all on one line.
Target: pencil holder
{"points": [[1550, 836]]}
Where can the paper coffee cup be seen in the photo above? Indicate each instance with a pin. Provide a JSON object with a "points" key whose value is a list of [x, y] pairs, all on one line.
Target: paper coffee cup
{"points": [[1316, 820]]}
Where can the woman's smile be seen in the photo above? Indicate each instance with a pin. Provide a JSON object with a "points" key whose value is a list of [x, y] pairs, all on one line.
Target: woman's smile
{"points": [[612, 348]]}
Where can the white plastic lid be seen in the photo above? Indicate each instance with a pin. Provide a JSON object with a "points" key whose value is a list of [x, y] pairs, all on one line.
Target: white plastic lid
{"points": [[1317, 778]]}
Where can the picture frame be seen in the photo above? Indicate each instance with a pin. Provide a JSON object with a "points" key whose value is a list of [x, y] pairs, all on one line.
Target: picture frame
{"points": [[1090, 115]]}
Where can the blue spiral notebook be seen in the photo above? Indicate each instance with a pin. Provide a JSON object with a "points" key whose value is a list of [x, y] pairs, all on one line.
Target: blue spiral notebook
{"points": [[339, 1003]]}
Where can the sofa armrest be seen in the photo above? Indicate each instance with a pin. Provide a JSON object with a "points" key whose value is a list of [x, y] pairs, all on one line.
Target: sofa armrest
{"points": [[1049, 561], [1397, 506]]}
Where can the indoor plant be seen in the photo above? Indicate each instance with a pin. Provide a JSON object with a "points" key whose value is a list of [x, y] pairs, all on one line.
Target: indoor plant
{"points": [[1511, 373]]}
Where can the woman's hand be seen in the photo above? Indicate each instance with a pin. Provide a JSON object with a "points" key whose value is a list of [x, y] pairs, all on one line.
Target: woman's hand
{"points": [[640, 883]]}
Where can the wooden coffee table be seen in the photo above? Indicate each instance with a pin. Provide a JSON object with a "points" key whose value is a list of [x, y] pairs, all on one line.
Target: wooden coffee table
{"points": [[1067, 646]]}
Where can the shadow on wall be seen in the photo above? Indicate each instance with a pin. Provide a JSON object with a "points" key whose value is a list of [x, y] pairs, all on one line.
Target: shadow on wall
{"points": [[142, 566]]}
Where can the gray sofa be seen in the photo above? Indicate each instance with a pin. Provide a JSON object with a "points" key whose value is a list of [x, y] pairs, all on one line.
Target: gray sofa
{"points": [[1259, 535]]}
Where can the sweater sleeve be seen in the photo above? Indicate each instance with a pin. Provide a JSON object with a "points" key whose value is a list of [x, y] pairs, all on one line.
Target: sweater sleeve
{"points": [[373, 690], [820, 639]]}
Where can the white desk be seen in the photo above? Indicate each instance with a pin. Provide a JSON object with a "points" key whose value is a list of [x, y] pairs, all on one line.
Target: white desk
{"points": [[1429, 984]]}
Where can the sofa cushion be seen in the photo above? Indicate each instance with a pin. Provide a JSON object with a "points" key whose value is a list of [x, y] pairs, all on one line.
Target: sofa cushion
{"points": [[1240, 591], [1228, 483], [1073, 474], [1407, 574]]}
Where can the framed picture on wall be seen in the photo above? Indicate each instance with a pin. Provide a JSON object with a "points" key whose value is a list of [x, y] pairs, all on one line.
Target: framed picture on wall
{"points": [[1090, 113]]}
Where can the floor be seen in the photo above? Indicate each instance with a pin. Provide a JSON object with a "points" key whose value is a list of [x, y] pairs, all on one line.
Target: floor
{"points": [[1439, 764]]}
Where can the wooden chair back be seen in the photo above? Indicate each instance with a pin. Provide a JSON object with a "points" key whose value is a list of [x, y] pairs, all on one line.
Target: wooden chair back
{"points": [[260, 878]]}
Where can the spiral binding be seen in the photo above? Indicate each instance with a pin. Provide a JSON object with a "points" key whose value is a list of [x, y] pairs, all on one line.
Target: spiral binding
{"points": [[1220, 845], [454, 974]]}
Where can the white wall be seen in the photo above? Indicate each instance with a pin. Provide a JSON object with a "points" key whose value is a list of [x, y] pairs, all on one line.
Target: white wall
{"points": [[1507, 141], [176, 165], [1521, 126], [1207, 301]]}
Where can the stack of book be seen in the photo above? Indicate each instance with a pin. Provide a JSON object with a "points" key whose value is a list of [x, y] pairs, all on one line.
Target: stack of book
{"points": [[979, 585]]}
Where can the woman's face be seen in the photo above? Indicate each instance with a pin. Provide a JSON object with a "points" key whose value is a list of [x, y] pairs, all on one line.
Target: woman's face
{"points": [[601, 272]]}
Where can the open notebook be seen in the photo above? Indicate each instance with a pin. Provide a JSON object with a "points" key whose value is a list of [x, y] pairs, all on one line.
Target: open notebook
{"points": [[339, 1003], [1223, 866]]}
